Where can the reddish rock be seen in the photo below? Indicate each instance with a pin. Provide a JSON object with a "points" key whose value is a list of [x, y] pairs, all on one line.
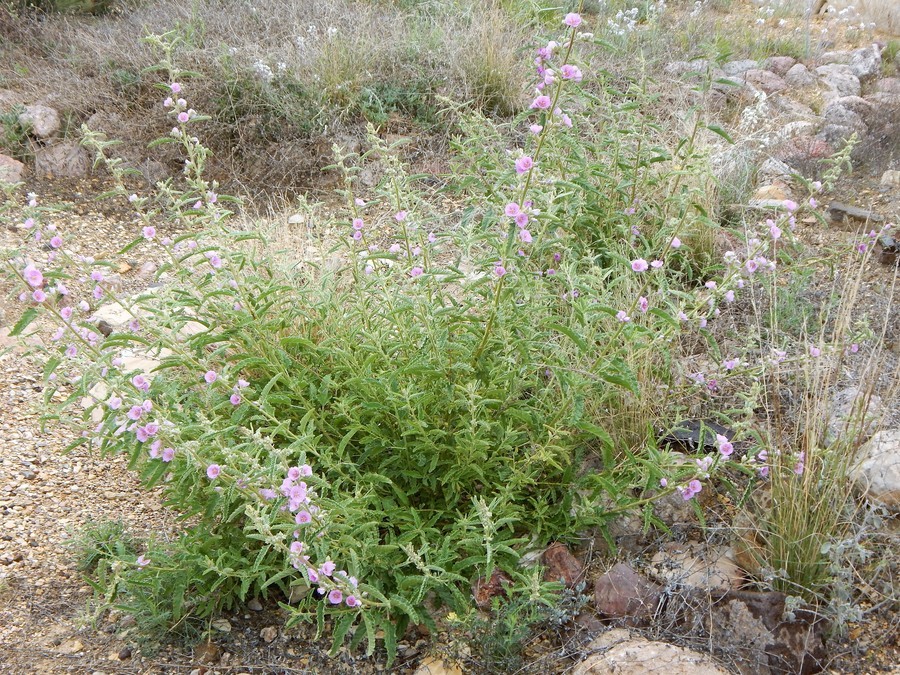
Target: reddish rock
{"points": [[485, 590], [63, 160], [779, 64], [622, 593], [561, 565], [767, 81], [11, 170]]}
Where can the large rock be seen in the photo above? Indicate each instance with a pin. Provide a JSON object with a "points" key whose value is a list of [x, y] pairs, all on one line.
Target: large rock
{"points": [[11, 170], [737, 68], [799, 76], [695, 565], [852, 413], [40, 120], [840, 79], [617, 651], [622, 593], [765, 80], [757, 630], [62, 160], [888, 85], [779, 65], [878, 470], [561, 565], [866, 62]]}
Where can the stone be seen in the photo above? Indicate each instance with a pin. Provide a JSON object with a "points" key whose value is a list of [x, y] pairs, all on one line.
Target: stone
{"points": [[254, 605], [888, 85], [622, 593], [221, 625], [485, 590], [767, 193], [695, 565], [765, 80], [617, 651], [840, 213], [40, 120], [437, 666], [11, 170], [798, 76], [62, 160], [561, 565], [866, 62], [737, 68], [841, 57], [71, 646], [772, 170], [268, 634], [877, 474], [840, 79], [779, 65], [854, 104], [891, 178]]}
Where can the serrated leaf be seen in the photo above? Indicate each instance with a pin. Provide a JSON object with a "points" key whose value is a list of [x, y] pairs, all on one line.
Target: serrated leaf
{"points": [[27, 317], [716, 129]]}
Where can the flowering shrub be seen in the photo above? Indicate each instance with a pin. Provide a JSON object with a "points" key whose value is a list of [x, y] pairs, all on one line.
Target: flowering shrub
{"points": [[368, 439]]}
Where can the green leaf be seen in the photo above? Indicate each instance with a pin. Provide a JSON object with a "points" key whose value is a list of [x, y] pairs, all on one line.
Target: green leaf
{"points": [[716, 129], [572, 335], [28, 316]]}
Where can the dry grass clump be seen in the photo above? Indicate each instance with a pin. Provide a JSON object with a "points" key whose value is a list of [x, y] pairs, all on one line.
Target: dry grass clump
{"points": [[274, 75]]}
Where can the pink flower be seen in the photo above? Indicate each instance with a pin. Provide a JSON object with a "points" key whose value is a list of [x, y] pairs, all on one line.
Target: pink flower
{"points": [[730, 364], [400, 216], [790, 205], [357, 223], [149, 232], [512, 210], [142, 561], [175, 87], [622, 316], [656, 264], [213, 471], [33, 276], [235, 399], [522, 219], [639, 265], [525, 236], [524, 164], [572, 20], [352, 601], [643, 304], [303, 517], [499, 270], [210, 376], [725, 447], [140, 382], [814, 351], [56, 241], [729, 296], [570, 72], [135, 413], [335, 597], [183, 117], [542, 102], [416, 272], [536, 129], [751, 266], [38, 295], [71, 351], [114, 403], [168, 454], [854, 348]]}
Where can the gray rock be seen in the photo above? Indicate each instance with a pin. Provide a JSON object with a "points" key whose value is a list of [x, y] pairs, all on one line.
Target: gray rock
{"points": [[736, 68], [845, 414], [11, 170], [773, 169], [696, 565], [854, 104], [62, 160], [779, 65], [837, 134], [842, 57], [40, 120], [617, 651], [878, 472], [866, 62], [798, 76], [765, 80], [841, 213], [840, 79], [888, 85], [890, 178]]}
